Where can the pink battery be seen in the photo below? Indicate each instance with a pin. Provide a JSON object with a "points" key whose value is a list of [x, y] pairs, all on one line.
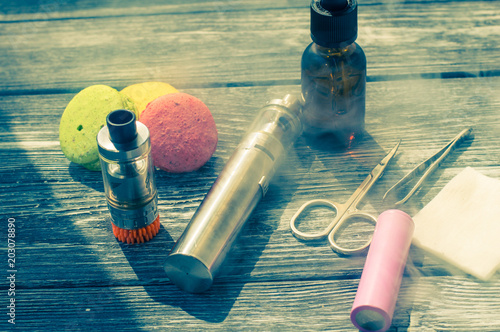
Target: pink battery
{"points": [[383, 271]]}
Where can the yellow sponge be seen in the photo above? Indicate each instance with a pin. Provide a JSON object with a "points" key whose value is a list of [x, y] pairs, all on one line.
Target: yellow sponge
{"points": [[144, 93]]}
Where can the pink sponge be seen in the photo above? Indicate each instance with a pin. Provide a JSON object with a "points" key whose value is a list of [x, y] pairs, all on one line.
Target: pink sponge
{"points": [[183, 132]]}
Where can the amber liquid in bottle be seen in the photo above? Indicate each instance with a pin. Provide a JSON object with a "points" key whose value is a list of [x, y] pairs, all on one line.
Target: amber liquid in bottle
{"points": [[334, 88]]}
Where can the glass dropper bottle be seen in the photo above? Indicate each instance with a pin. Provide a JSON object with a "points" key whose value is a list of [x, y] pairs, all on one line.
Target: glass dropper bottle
{"points": [[333, 75]]}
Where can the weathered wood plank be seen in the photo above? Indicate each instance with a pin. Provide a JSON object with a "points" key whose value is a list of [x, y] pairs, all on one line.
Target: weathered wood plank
{"points": [[425, 303], [56, 9], [73, 275], [240, 47], [61, 211]]}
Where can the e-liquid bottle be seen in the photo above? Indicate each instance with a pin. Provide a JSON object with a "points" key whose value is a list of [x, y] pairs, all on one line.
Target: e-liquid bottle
{"points": [[333, 75]]}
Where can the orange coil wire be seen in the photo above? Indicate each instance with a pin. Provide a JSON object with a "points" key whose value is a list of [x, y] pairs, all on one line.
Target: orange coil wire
{"points": [[140, 235]]}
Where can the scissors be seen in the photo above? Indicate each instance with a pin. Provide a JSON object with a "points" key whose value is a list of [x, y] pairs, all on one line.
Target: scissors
{"points": [[345, 213]]}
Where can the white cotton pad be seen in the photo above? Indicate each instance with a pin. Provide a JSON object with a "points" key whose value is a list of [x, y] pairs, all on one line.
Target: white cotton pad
{"points": [[461, 225]]}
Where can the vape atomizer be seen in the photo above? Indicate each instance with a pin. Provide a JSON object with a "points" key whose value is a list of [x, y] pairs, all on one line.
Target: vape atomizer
{"points": [[128, 175]]}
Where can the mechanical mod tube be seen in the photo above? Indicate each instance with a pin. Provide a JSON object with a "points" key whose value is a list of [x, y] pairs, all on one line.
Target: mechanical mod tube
{"points": [[194, 260], [128, 175], [383, 271]]}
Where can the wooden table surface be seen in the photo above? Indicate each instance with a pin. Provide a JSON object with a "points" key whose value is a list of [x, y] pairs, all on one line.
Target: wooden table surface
{"points": [[433, 69]]}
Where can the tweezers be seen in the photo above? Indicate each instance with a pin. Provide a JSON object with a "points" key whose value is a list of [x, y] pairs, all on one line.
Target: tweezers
{"points": [[428, 166]]}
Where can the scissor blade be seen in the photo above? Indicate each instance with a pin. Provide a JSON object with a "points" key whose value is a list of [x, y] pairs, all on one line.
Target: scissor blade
{"points": [[374, 175], [378, 171], [384, 162]]}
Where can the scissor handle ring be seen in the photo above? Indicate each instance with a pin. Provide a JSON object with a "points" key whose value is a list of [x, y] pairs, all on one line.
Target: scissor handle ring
{"points": [[313, 236], [338, 249]]}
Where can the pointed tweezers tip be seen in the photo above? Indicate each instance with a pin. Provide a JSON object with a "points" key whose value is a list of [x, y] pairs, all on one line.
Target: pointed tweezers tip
{"points": [[466, 133]]}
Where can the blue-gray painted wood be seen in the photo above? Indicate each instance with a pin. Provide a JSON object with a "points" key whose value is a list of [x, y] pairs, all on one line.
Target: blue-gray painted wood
{"points": [[432, 70]]}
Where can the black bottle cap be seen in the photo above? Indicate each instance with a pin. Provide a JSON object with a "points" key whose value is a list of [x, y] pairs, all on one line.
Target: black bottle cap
{"points": [[333, 5], [334, 23], [121, 126]]}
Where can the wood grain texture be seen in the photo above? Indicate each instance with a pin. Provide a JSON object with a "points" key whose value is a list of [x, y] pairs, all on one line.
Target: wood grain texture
{"points": [[235, 56], [425, 303], [399, 41]]}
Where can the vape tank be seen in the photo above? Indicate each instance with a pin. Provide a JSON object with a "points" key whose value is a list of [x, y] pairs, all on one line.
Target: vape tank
{"points": [[128, 175]]}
